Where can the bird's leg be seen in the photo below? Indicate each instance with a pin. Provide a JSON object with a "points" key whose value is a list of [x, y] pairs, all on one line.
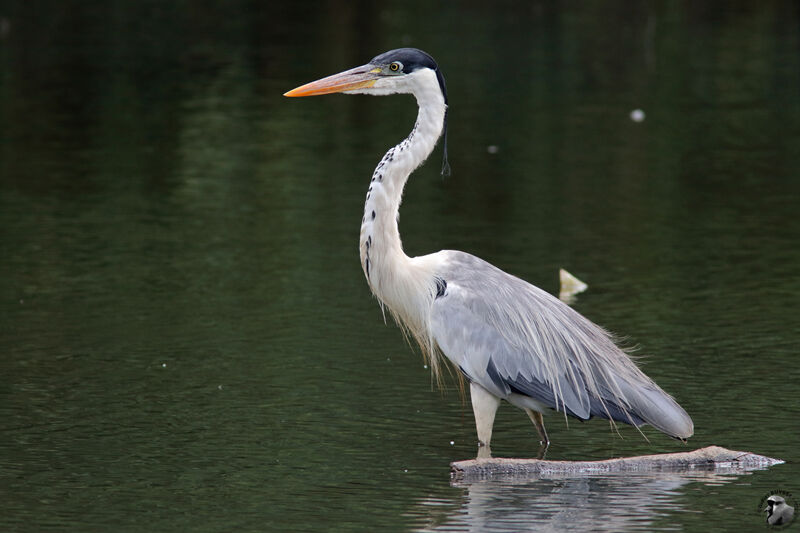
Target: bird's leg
{"points": [[484, 405], [484, 452], [540, 454], [538, 421]]}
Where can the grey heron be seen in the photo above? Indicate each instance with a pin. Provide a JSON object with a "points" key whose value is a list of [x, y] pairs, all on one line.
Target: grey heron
{"points": [[779, 513], [511, 340]]}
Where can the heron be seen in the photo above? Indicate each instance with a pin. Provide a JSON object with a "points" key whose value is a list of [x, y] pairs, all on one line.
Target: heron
{"points": [[779, 513], [511, 340]]}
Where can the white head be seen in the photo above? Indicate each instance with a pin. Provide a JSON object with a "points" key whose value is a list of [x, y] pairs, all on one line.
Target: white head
{"points": [[404, 70]]}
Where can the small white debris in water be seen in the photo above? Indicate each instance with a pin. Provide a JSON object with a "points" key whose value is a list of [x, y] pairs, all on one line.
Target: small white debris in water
{"points": [[492, 149], [570, 286], [452, 442], [219, 387], [637, 115], [163, 365], [424, 366], [405, 470]]}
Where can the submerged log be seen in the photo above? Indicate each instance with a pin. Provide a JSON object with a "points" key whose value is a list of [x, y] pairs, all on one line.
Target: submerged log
{"points": [[710, 458]]}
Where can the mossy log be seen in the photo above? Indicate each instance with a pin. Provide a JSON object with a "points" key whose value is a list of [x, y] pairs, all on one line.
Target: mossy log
{"points": [[710, 458]]}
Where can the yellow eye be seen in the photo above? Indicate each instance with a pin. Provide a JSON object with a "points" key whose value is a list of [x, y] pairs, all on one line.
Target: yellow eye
{"points": [[394, 67]]}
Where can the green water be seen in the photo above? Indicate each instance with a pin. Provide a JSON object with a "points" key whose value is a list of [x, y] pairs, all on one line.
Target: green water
{"points": [[187, 342]]}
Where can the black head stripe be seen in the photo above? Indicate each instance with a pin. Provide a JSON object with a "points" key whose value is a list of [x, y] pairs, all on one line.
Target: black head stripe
{"points": [[412, 59]]}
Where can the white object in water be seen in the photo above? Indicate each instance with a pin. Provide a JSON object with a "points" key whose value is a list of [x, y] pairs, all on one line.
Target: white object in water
{"points": [[570, 286]]}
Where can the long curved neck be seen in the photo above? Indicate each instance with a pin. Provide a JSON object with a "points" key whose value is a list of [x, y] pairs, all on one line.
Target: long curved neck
{"points": [[390, 272]]}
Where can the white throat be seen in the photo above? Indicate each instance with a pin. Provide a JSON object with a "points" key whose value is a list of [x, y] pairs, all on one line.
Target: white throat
{"points": [[400, 282]]}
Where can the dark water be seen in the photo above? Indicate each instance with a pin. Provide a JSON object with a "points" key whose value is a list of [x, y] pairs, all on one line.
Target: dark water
{"points": [[187, 342]]}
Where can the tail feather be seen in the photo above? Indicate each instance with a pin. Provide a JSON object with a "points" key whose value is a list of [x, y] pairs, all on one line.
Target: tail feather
{"points": [[611, 411], [648, 404]]}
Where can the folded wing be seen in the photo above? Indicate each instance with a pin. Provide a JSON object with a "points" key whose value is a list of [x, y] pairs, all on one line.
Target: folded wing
{"points": [[522, 344]]}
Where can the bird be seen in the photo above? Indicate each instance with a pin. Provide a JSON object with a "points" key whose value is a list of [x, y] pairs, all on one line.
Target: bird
{"points": [[508, 338], [779, 513]]}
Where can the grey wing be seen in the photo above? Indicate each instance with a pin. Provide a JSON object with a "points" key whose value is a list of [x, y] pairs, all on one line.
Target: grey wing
{"points": [[520, 342]]}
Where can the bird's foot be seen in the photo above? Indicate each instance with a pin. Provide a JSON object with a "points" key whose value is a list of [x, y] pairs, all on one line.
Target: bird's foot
{"points": [[543, 446]]}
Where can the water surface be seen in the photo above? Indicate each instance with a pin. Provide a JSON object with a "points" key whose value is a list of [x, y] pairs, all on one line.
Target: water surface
{"points": [[188, 342]]}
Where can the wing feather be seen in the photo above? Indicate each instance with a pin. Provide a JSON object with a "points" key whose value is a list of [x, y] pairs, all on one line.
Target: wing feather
{"points": [[519, 342]]}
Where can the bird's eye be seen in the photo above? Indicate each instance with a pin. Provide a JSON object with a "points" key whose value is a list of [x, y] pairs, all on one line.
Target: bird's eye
{"points": [[394, 67]]}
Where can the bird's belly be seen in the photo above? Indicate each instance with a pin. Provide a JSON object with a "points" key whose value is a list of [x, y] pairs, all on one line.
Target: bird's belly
{"points": [[526, 402]]}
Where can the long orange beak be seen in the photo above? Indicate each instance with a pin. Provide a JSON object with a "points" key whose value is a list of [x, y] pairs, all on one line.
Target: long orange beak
{"points": [[349, 80]]}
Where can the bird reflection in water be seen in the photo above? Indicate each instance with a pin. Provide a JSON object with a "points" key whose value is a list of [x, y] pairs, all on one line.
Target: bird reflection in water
{"points": [[609, 502]]}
